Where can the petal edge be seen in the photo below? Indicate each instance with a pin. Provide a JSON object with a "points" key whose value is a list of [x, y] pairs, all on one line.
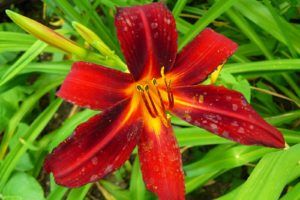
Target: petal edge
{"points": [[226, 113], [98, 147], [148, 38], [201, 57], [160, 160]]}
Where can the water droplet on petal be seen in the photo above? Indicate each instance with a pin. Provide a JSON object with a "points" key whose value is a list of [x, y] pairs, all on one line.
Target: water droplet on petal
{"points": [[234, 107], [108, 169], [94, 160], [167, 20], [225, 134], [94, 177], [235, 123], [214, 126], [244, 102], [128, 22], [154, 25], [241, 130]]}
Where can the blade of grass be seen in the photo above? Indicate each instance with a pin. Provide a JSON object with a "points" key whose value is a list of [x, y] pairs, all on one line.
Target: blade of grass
{"points": [[283, 118], [292, 83], [284, 90], [271, 174], [57, 194], [32, 133], [293, 194], [116, 191], [26, 107], [178, 8], [79, 193], [231, 158], [21, 63], [261, 16], [137, 187], [280, 26], [192, 183], [263, 66], [195, 136], [246, 28], [215, 11]]}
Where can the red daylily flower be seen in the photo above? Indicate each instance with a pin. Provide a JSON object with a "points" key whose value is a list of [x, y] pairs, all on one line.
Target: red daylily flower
{"points": [[135, 104]]}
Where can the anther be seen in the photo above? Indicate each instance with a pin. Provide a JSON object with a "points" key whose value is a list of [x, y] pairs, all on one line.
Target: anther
{"points": [[154, 82], [140, 88], [170, 94]]}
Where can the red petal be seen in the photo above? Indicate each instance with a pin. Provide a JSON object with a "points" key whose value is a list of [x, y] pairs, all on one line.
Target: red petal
{"points": [[98, 147], [201, 57], [148, 38], [94, 86], [225, 113], [161, 161]]}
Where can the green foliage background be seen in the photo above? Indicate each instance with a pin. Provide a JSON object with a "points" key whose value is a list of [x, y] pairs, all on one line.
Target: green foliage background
{"points": [[265, 69]]}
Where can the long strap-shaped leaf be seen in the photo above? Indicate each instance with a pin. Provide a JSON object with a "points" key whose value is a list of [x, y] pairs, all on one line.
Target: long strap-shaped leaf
{"points": [[21, 63], [33, 132]]}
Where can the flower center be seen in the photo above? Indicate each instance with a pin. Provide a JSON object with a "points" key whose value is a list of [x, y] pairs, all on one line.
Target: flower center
{"points": [[153, 96]]}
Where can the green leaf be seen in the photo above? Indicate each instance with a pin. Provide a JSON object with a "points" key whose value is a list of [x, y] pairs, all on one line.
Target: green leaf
{"points": [[21, 186], [260, 67], [32, 133], [243, 87], [261, 16], [178, 7], [226, 159], [215, 11], [283, 118], [26, 58], [79, 193], [25, 163], [116, 191], [137, 186], [270, 175], [57, 193]]}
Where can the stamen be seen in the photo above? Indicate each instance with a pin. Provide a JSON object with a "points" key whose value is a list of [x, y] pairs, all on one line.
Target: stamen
{"points": [[140, 89], [154, 82], [150, 98], [170, 95], [168, 86]]}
